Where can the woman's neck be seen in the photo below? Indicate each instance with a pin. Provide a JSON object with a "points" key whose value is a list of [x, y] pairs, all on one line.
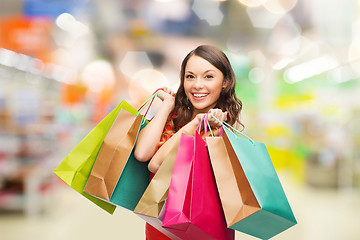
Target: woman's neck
{"points": [[199, 111]]}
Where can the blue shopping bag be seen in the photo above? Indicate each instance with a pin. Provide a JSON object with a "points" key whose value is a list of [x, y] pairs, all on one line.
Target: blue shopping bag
{"points": [[268, 210]]}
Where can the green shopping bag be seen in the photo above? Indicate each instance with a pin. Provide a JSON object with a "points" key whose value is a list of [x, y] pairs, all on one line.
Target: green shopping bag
{"points": [[274, 214], [133, 181], [116, 176], [75, 169]]}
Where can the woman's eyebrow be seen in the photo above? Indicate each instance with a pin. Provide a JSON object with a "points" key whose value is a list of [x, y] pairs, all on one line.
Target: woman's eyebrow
{"points": [[210, 70]]}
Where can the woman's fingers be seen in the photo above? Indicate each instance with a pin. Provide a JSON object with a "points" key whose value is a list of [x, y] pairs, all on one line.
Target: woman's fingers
{"points": [[165, 93], [216, 117], [169, 91], [218, 114]]}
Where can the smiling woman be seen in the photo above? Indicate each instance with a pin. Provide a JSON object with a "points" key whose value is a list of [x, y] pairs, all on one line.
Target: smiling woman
{"points": [[203, 84], [215, 67], [207, 85]]}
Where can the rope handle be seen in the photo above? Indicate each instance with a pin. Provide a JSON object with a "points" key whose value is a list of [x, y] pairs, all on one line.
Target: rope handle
{"points": [[227, 126], [149, 100], [207, 126], [198, 128]]}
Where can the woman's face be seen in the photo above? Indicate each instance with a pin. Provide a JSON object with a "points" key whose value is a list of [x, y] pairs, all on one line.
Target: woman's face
{"points": [[202, 84]]}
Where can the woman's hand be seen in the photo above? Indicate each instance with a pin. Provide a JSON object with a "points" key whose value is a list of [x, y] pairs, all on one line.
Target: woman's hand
{"points": [[219, 115], [167, 96]]}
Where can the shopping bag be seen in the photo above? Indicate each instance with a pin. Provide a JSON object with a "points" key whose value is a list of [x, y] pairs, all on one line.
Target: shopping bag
{"points": [[132, 182], [252, 197], [237, 198], [134, 178], [151, 206], [193, 209], [117, 176], [75, 169]]}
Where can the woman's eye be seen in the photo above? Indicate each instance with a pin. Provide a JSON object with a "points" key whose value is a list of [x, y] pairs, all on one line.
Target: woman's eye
{"points": [[209, 76], [189, 76]]}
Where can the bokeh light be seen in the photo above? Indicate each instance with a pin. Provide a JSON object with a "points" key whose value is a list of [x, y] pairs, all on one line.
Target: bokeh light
{"points": [[68, 23], [309, 69], [150, 79], [209, 11], [256, 75], [262, 18], [134, 61], [280, 6], [98, 75], [252, 3]]}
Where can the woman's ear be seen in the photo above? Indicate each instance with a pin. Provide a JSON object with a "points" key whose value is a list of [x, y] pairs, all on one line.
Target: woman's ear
{"points": [[225, 84]]}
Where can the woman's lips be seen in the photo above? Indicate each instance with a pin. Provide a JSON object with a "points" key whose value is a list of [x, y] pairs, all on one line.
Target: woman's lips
{"points": [[200, 95]]}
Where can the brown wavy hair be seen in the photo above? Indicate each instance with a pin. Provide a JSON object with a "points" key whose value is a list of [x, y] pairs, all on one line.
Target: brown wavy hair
{"points": [[227, 101]]}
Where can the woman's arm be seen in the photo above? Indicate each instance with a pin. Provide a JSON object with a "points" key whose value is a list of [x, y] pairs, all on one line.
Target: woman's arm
{"points": [[149, 137], [161, 154], [189, 128]]}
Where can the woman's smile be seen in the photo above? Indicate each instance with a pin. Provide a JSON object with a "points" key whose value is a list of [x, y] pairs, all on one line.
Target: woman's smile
{"points": [[200, 96], [203, 84]]}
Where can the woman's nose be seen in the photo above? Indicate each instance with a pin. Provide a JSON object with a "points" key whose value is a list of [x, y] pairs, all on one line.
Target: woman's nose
{"points": [[198, 83]]}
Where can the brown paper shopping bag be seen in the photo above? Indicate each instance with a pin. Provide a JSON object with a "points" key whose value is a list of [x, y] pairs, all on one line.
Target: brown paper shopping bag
{"points": [[253, 199], [237, 197], [151, 206], [113, 155]]}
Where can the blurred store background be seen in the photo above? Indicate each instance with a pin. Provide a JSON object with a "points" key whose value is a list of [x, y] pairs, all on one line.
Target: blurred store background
{"points": [[64, 64]]}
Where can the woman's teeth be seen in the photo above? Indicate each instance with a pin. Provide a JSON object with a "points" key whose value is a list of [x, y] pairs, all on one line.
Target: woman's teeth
{"points": [[200, 95]]}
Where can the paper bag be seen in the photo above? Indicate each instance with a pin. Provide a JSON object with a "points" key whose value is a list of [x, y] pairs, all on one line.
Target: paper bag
{"points": [[237, 197], [193, 209], [75, 169], [151, 206], [252, 197], [132, 183], [114, 153]]}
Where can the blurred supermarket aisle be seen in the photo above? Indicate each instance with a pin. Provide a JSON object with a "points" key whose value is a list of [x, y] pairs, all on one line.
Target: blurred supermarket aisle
{"points": [[64, 64], [321, 214]]}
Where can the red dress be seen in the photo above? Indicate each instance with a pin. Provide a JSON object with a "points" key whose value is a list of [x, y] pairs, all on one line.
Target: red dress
{"points": [[151, 232]]}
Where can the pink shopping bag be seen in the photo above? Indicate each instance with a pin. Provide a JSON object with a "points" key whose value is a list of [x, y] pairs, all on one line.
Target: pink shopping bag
{"points": [[193, 209]]}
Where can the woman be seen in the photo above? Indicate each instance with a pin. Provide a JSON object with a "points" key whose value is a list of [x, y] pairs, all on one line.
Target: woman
{"points": [[207, 86]]}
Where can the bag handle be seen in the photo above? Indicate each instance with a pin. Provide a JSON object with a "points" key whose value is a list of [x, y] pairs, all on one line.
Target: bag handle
{"points": [[227, 126], [149, 100], [198, 128], [207, 126]]}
